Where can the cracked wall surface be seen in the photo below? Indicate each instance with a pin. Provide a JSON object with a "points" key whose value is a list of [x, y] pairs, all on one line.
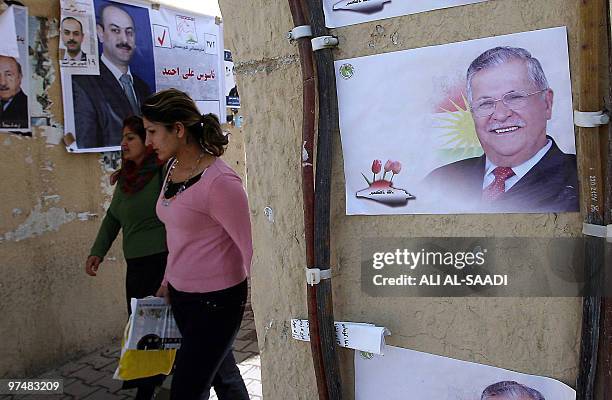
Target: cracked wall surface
{"points": [[531, 335], [53, 203]]}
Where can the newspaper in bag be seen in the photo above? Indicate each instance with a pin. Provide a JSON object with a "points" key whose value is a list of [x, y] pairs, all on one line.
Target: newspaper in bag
{"points": [[152, 325]]}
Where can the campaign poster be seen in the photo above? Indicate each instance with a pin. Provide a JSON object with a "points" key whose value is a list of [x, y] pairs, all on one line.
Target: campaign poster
{"points": [[232, 98], [141, 50], [96, 105], [78, 44], [188, 52], [481, 126], [404, 373], [340, 13], [15, 78]]}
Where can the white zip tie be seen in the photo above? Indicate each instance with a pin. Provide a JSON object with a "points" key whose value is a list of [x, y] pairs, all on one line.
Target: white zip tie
{"points": [[602, 231], [324, 42], [314, 275], [590, 119], [299, 32]]}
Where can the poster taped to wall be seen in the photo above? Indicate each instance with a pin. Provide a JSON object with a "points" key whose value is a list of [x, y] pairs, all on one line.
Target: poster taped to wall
{"points": [[400, 372], [232, 98], [348, 12], [188, 50], [78, 44], [417, 141], [141, 51], [15, 82]]}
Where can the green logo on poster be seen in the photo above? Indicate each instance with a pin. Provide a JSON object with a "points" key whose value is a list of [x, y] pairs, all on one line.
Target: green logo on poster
{"points": [[366, 355], [346, 71]]}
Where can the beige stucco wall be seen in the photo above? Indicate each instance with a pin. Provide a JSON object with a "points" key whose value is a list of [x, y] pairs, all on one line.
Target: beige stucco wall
{"points": [[51, 310], [538, 335]]}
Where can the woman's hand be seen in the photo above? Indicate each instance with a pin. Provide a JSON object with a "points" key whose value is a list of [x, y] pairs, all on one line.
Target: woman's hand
{"points": [[163, 292], [92, 264]]}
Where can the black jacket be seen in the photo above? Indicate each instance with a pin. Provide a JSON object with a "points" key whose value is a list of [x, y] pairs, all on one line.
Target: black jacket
{"points": [[16, 114], [100, 106]]}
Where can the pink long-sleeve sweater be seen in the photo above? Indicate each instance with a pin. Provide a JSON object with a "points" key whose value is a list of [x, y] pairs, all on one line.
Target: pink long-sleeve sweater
{"points": [[208, 232]]}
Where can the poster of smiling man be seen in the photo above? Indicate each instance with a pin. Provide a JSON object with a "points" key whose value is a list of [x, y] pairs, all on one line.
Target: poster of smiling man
{"points": [[482, 126], [141, 50], [403, 373], [95, 106]]}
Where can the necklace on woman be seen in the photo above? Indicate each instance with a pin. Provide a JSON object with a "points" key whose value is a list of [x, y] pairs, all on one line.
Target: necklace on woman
{"points": [[166, 202]]}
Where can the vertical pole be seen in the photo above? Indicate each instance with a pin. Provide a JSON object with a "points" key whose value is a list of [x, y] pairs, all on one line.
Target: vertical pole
{"points": [[592, 195]]}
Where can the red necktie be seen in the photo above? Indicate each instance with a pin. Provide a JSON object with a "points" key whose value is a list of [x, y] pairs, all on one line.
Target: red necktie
{"points": [[495, 189]]}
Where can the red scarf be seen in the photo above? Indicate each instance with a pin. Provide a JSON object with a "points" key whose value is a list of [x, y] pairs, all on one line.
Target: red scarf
{"points": [[132, 178]]}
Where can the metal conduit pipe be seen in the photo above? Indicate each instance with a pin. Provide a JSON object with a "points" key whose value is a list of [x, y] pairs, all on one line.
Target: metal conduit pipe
{"points": [[308, 129]]}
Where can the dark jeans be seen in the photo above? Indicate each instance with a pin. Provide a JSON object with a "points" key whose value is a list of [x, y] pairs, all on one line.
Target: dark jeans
{"points": [[144, 276], [142, 279], [208, 323]]}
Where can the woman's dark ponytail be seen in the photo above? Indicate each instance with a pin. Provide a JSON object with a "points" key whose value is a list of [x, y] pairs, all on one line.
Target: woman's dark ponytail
{"points": [[171, 105], [212, 138]]}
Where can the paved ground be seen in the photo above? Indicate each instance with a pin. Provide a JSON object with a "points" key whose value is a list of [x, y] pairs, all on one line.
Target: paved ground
{"points": [[90, 378]]}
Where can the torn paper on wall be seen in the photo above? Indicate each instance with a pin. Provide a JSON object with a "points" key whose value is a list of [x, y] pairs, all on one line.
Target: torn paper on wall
{"points": [[8, 46]]}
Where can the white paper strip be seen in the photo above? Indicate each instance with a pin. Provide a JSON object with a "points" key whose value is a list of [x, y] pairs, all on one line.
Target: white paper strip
{"points": [[353, 335]]}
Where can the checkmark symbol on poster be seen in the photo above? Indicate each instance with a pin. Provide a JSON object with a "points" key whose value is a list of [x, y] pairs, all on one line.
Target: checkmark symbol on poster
{"points": [[162, 36], [161, 39]]}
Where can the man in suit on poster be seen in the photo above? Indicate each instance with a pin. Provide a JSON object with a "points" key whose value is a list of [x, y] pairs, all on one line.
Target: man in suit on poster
{"points": [[522, 169], [72, 37], [13, 102], [102, 102]]}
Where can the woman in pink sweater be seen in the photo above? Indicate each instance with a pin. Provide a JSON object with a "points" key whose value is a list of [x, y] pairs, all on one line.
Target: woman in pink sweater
{"points": [[205, 210]]}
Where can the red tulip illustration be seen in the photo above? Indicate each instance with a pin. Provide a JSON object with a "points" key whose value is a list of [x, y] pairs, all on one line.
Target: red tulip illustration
{"points": [[376, 165], [387, 168], [396, 167], [382, 190]]}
